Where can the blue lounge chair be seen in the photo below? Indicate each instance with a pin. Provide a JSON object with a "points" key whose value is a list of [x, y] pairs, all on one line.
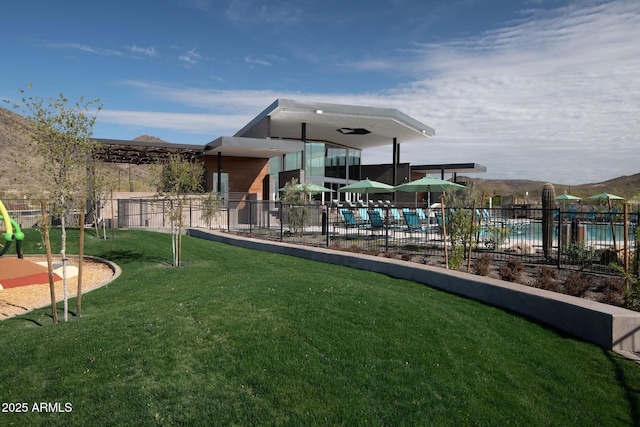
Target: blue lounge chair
{"points": [[412, 221], [396, 215], [363, 214], [350, 220]]}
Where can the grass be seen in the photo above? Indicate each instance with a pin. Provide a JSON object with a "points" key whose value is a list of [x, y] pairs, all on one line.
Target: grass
{"points": [[239, 337]]}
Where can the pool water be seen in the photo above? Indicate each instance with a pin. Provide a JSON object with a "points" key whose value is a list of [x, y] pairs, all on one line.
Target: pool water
{"points": [[594, 233]]}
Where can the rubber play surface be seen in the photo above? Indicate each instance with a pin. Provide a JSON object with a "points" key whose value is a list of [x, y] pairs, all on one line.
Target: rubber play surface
{"points": [[16, 272]]}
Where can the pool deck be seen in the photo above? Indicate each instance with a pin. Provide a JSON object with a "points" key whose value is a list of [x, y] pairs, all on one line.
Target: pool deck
{"points": [[605, 325]]}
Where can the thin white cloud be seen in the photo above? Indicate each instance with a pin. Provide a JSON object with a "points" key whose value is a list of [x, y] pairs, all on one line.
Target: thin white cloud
{"points": [[85, 48], [244, 12], [202, 124], [148, 51], [190, 58], [255, 61]]}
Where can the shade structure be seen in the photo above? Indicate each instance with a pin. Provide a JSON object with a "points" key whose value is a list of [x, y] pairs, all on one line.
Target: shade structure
{"points": [[428, 184], [567, 197], [309, 187], [606, 196], [367, 186]]}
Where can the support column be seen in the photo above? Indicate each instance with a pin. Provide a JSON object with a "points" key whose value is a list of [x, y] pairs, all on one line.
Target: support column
{"points": [[219, 189], [394, 180], [304, 146]]}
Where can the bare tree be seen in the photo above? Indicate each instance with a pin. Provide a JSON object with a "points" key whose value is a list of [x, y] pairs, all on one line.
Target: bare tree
{"points": [[61, 135]]}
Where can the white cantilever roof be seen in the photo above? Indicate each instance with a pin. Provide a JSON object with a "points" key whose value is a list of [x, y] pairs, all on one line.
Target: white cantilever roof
{"points": [[348, 125]]}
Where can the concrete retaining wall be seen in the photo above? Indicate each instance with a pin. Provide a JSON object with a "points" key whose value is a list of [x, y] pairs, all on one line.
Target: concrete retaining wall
{"points": [[604, 325]]}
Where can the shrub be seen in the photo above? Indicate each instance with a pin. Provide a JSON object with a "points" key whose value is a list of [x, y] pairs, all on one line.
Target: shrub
{"points": [[580, 254], [482, 265], [577, 284], [612, 289], [456, 256], [512, 271], [546, 279]]}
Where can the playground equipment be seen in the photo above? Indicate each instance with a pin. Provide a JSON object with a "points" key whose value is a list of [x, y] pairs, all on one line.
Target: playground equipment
{"points": [[12, 232]]}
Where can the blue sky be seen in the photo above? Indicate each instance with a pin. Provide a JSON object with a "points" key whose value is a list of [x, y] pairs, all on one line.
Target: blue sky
{"points": [[533, 89]]}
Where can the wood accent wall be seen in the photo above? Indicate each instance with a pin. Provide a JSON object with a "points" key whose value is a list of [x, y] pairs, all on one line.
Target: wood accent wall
{"points": [[246, 174]]}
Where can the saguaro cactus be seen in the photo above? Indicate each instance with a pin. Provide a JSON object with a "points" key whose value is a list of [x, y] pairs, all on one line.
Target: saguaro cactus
{"points": [[548, 206]]}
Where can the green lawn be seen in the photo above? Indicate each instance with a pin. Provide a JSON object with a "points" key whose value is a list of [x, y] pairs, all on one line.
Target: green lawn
{"points": [[239, 337]]}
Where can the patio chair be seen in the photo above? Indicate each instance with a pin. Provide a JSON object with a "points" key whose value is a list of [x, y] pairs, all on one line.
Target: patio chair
{"points": [[350, 220], [421, 215], [412, 221], [396, 215], [362, 212], [376, 221]]}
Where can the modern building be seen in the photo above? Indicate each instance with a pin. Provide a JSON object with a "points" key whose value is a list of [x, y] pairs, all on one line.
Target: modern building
{"points": [[321, 143]]}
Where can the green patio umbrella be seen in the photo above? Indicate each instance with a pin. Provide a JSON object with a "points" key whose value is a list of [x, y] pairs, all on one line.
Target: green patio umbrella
{"points": [[567, 197], [367, 186], [428, 184], [606, 196]]}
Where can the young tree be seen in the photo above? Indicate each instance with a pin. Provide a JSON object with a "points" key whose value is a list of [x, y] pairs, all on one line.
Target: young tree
{"points": [[176, 179], [294, 202], [102, 180], [61, 136]]}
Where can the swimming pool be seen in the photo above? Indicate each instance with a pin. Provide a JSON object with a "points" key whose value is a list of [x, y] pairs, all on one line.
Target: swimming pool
{"points": [[589, 233]]}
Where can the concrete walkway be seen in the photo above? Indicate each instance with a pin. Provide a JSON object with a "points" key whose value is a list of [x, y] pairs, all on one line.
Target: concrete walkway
{"points": [[605, 325]]}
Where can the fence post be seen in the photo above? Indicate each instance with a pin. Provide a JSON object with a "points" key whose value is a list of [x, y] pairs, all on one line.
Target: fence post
{"points": [[281, 226], [250, 218], [560, 220], [326, 225]]}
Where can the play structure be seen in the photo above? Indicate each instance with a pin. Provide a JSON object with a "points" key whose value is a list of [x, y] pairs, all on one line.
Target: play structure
{"points": [[12, 232]]}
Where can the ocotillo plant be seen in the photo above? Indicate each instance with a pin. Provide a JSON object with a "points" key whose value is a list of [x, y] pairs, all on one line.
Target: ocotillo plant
{"points": [[548, 207]]}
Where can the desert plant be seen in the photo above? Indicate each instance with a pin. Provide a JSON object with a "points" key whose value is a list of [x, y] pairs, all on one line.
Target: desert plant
{"points": [[546, 279], [482, 265], [612, 289], [512, 271], [495, 236], [294, 204], [579, 253], [631, 277], [577, 284]]}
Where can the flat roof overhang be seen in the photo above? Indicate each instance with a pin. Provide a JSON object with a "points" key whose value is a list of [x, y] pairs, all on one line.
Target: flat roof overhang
{"points": [[449, 168], [336, 123], [263, 148]]}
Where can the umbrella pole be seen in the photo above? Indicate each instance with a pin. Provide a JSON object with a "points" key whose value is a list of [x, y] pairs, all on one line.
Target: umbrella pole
{"points": [[444, 231]]}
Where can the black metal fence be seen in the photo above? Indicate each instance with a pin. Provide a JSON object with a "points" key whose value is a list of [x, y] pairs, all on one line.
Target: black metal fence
{"points": [[588, 241]]}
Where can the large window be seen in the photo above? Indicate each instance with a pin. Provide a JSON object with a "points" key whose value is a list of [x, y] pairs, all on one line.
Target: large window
{"points": [[293, 161], [314, 156]]}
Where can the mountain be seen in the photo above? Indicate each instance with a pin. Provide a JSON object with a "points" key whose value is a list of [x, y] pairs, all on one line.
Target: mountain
{"points": [[624, 186], [19, 170]]}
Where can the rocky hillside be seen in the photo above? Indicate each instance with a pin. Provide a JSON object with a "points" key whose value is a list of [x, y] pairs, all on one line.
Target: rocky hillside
{"points": [[19, 170], [19, 166], [624, 186]]}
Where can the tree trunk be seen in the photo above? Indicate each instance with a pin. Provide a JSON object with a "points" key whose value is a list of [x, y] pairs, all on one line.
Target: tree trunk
{"points": [[47, 245], [80, 259]]}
